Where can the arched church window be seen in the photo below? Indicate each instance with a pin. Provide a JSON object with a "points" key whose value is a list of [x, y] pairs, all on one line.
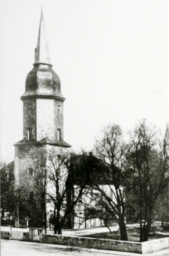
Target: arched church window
{"points": [[58, 134], [30, 171], [58, 109], [29, 133]]}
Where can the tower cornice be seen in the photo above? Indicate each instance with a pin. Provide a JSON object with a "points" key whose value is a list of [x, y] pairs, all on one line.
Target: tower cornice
{"points": [[40, 96]]}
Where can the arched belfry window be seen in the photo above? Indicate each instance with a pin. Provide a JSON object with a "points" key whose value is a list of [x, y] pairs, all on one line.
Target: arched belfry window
{"points": [[59, 109], [29, 133], [59, 134]]}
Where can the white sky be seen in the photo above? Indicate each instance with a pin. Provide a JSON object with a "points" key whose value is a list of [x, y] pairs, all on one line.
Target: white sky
{"points": [[111, 57]]}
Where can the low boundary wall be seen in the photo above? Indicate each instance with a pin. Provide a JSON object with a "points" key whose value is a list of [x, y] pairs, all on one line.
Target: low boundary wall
{"points": [[155, 245], [107, 244], [15, 235], [5, 235], [96, 243]]}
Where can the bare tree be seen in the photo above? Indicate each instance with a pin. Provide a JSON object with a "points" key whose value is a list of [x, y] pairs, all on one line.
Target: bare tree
{"points": [[62, 191], [111, 150], [7, 195], [162, 208], [48, 185], [148, 172], [99, 211]]}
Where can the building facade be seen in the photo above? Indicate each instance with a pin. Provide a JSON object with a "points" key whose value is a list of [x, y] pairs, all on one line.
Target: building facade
{"points": [[42, 112], [43, 132]]}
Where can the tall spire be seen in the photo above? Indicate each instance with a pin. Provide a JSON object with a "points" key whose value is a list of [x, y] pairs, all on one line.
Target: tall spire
{"points": [[42, 50]]}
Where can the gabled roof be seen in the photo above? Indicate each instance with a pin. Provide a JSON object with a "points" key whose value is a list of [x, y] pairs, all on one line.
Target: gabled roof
{"points": [[44, 141], [59, 143]]}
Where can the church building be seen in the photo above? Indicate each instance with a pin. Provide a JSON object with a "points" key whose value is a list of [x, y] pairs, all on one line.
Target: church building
{"points": [[43, 131], [42, 110]]}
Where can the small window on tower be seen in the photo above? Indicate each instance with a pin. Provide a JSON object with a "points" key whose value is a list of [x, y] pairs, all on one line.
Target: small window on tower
{"points": [[58, 134], [30, 170], [7, 174], [29, 134], [58, 108]]}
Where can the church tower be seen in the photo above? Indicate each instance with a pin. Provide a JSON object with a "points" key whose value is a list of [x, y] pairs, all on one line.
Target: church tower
{"points": [[43, 101], [42, 108]]}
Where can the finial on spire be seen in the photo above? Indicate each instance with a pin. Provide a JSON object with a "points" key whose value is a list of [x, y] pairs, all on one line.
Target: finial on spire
{"points": [[42, 50]]}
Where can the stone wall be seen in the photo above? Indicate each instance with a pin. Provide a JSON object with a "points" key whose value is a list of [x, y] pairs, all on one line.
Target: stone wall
{"points": [[86, 242], [15, 235], [29, 119], [155, 245], [108, 244], [58, 112], [45, 119], [5, 235], [24, 159]]}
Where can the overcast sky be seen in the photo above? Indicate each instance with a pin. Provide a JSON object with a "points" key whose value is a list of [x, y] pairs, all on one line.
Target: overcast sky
{"points": [[111, 57]]}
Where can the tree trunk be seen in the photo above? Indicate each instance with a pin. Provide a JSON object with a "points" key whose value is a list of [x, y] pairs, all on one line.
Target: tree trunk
{"points": [[57, 224], [106, 225], [44, 212], [123, 230], [141, 231], [162, 224], [17, 216], [45, 220], [146, 231], [44, 201], [57, 228]]}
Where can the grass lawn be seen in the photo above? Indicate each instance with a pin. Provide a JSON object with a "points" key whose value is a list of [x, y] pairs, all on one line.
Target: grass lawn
{"points": [[133, 235]]}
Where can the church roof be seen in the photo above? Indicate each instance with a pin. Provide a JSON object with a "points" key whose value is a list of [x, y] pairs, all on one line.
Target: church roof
{"points": [[42, 81], [59, 143], [42, 49], [44, 141]]}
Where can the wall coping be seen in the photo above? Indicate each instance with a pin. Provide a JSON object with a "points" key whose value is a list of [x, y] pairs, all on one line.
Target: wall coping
{"points": [[95, 243], [108, 244]]}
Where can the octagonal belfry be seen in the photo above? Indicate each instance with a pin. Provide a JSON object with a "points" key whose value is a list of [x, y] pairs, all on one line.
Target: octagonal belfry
{"points": [[43, 100]]}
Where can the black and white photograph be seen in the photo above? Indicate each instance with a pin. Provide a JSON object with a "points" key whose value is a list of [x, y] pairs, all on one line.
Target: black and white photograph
{"points": [[84, 127]]}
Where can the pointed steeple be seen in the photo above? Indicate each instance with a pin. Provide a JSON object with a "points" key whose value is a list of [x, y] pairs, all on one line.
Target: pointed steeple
{"points": [[42, 50]]}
